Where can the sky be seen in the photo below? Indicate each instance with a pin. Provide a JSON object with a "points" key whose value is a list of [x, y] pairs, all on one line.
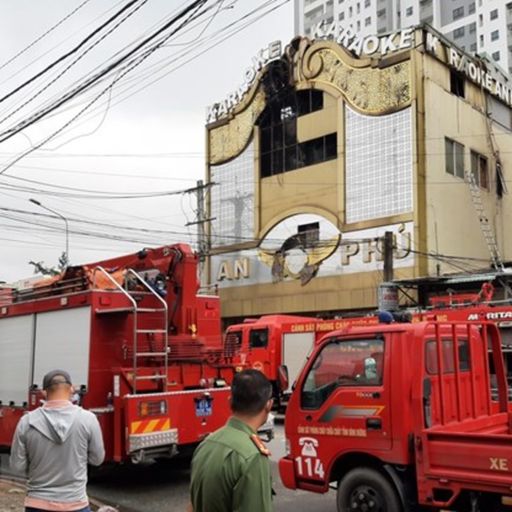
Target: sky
{"points": [[144, 133]]}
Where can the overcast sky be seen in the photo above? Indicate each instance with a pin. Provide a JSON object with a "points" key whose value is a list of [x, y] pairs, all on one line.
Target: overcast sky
{"points": [[138, 137]]}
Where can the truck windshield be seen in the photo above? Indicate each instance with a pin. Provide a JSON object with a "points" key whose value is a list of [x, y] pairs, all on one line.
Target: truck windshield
{"points": [[258, 338], [343, 363]]}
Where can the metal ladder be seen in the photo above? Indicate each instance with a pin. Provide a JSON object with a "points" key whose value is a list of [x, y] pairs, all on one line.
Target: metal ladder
{"points": [[485, 226], [137, 312]]}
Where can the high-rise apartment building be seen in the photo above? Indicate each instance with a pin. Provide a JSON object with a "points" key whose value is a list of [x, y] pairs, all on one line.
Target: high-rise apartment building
{"points": [[476, 26]]}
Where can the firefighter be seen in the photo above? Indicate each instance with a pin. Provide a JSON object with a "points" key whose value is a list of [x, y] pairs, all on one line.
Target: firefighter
{"points": [[53, 445], [230, 468]]}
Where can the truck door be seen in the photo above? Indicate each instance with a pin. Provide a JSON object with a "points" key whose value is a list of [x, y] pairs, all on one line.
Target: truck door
{"points": [[345, 400], [259, 353]]}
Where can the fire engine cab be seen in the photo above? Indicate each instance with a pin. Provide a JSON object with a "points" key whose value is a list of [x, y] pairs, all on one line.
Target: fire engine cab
{"points": [[143, 348], [402, 416]]}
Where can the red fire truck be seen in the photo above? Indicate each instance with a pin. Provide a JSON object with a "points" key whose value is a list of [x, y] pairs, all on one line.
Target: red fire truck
{"points": [[278, 344], [400, 416], [145, 351]]}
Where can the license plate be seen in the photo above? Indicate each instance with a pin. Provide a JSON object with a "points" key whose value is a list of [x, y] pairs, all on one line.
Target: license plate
{"points": [[203, 407]]}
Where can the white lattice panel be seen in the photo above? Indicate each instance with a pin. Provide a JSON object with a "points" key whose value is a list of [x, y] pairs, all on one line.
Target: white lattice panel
{"points": [[232, 200], [378, 165]]}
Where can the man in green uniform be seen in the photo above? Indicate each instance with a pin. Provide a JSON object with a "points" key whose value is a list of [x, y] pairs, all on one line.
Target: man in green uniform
{"points": [[230, 468]]}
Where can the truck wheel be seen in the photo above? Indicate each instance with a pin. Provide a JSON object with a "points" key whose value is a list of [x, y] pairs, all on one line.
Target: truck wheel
{"points": [[366, 490]]}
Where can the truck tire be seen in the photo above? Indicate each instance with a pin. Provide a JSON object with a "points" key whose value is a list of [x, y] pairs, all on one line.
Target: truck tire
{"points": [[367, 490]]}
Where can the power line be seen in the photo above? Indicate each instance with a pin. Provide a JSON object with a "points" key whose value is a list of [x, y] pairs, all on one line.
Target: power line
{"points": [[84, 221], [195, 6], [177, 154], [192, 8], [98, 192], [103, 173], [141, 195], [185, 52], [39, 57], [70, 52], [75, 61], [42, 36]]}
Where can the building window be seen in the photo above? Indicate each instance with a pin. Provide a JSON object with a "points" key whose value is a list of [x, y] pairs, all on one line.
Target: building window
{"points": [[381, 13], [495, 35], [480, 20], [479, 169], [367, 3], [494, 14], [358, 7], [481, 40], [472, 28], [309, 234], [457, 84], [454, 154], [472, 8], [368, 21], [458, 33], [458, 13], [341, 16], [472, 48], [408, 11], [358, 26], [279, 147], [496, 56], [350, 12]]}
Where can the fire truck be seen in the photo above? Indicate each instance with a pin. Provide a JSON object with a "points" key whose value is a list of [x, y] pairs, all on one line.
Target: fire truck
{"points": [[144, 349], [402, 416], [279, 344]]}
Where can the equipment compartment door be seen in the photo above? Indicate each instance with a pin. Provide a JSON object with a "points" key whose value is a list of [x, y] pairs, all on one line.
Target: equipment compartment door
{"points": [[16, 338], [63, 341]]}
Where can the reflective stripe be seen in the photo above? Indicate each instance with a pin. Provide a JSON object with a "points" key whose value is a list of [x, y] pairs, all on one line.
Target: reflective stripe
{"points": [[148, 426]]}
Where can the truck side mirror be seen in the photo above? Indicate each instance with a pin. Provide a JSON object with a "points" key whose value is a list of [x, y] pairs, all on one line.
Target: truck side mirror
{"points": [[427, 406], [283, 378]]}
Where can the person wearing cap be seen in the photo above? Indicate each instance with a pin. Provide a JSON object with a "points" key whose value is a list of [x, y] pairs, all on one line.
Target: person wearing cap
{"points": [[53, 445], [230, 468]]}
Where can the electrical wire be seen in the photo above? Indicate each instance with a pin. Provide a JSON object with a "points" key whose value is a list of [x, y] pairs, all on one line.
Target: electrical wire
{"points": [[70, 52], [124, 59], [75, 61], [268, 3], [109, 196], [49, 50], [148, 74], [42, 36]]}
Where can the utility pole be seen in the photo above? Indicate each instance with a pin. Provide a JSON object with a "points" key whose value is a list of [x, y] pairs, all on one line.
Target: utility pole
{"points": [[388, 256], [203, 245], [387, 293]]}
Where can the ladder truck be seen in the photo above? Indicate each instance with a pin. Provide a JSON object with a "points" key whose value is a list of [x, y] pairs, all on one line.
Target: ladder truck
{"points": [[143, 348]]}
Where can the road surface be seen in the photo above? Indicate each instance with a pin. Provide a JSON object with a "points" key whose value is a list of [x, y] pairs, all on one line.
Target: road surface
{"points": [[164, 487]]}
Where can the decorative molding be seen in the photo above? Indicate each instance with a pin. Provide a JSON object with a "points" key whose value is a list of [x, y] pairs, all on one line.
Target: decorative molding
{"points": [[370, 90], [229, 139]]}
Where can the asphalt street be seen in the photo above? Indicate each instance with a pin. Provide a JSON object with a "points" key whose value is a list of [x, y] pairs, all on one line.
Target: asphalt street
{"points": [[163, 487]]}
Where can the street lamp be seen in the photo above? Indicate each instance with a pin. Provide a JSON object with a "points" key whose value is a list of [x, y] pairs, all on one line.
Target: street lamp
{"points": [[34, 201]]}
